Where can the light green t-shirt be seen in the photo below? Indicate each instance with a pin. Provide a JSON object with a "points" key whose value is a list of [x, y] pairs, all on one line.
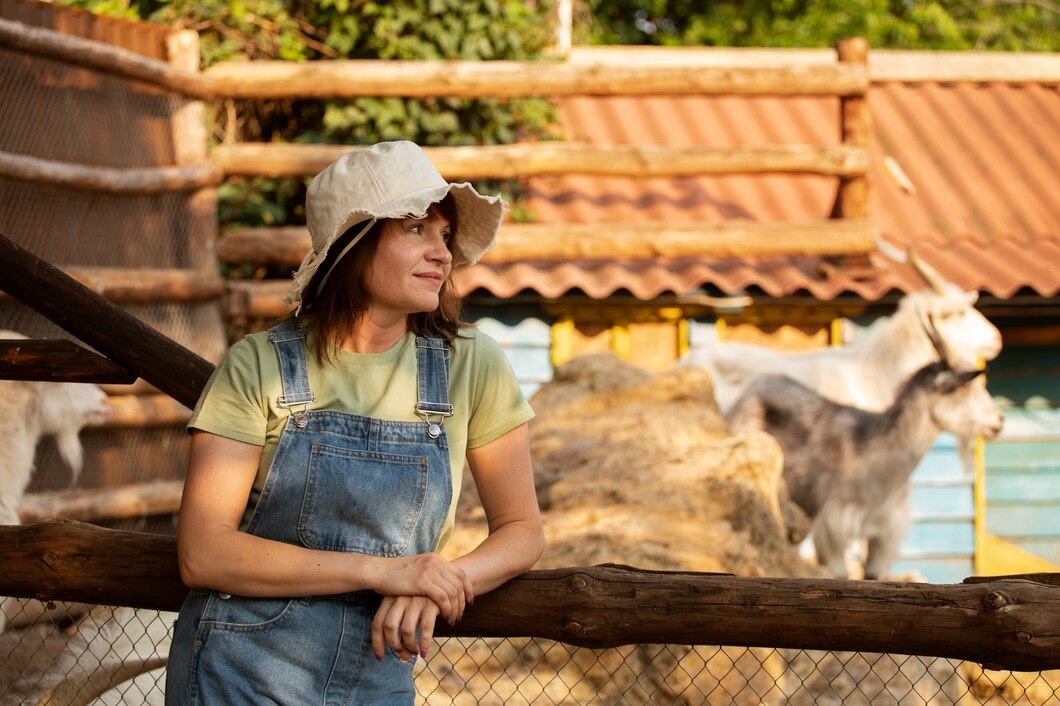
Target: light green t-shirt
{"points": [[239, 401]]}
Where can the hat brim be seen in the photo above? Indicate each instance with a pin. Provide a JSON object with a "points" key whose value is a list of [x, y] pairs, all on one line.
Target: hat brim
{"points": [[478, 219]]}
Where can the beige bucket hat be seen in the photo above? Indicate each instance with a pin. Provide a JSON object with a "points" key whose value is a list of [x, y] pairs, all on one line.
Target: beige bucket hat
{"points": [[389, 180]]}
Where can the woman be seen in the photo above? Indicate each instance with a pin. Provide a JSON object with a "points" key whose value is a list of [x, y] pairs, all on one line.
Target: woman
{"points": [[327, 454]]}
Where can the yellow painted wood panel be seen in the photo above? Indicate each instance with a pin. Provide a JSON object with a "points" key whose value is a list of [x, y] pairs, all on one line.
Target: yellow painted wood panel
{"points": [[996, 557], [782, 336]]}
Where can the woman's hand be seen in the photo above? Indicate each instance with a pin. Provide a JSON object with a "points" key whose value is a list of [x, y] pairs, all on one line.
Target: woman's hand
{"points": [[429, 576], [406, 624]]}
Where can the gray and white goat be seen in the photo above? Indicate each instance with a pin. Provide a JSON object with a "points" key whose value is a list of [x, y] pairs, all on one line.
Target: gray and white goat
{"points": [[938, 323], [848, 469]]}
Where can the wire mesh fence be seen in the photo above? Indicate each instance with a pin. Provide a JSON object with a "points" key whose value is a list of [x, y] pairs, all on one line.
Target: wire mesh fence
{"points": [[62, 116], [80, 654]]}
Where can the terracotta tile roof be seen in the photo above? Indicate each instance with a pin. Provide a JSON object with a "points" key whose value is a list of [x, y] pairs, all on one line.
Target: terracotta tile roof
{"points": [[983, 159]]}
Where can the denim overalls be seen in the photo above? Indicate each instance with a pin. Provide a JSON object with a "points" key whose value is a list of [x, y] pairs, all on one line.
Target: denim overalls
{"points": [[339, 482]]}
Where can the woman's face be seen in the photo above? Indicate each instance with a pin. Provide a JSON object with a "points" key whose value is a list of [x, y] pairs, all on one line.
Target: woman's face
{"points": [[411, 262]]}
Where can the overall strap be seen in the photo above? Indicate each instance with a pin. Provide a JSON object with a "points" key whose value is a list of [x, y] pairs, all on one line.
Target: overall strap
{"points": [[294, 374], [432, 382]]}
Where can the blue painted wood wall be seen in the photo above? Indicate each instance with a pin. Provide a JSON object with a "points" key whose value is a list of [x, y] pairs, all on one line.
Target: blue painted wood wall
{"points": [[528, 344], [940, 545]]}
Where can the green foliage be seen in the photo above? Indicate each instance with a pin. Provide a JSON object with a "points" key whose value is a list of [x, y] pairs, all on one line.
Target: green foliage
{"points": [[238, 30], [890, 24]]}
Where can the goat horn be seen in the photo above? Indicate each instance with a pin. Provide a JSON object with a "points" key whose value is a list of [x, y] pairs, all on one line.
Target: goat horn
{"points": [[927, 322], [929, 273]]}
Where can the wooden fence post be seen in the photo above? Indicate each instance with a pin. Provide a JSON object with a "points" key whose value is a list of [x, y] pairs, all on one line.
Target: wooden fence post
{"points": [[855, 124]]}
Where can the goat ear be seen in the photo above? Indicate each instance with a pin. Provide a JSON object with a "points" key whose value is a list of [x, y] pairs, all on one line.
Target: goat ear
{"points": [[945, 381], [948, 380]]}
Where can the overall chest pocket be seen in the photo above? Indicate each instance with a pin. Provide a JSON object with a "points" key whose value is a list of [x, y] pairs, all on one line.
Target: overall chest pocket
{"points": [[361, 501]]}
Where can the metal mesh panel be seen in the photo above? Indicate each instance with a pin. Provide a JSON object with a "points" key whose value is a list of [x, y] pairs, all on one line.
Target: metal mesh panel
{"points": [[117, 651], [56, 111], [541, 672], [74, 227], [83, 653]]}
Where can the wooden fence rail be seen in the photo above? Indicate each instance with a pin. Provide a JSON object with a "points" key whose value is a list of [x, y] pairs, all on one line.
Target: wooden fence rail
{"points": [[465, 79], [124, 339], [562, 242], [111, 180], [516, 79], [520, 160], [1003, 623]]}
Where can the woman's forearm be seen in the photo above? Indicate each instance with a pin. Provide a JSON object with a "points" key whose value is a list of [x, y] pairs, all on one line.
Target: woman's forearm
{"points": [[508, 552], [241, 564], [504, 478]]}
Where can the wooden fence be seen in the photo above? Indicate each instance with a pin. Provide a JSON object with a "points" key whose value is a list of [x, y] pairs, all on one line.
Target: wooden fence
{"points": [[1009, 623], [850, 230], [1005, 622]]}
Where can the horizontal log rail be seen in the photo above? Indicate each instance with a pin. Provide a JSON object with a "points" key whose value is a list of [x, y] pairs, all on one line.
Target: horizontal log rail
{"points": [[522, 242], [148, 285], [91, 318], [519, 242], [886, 65], [1008, 623], [57, 361], [145, 410], [421, 79], [523, 160], [515, 79], [256, 299], [95, 504], [131, 181], [100, 56]]}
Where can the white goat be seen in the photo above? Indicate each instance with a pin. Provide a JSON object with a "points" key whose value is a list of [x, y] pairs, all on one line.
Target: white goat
{"points": [[867, 374], [29, 412], [849, 469]]}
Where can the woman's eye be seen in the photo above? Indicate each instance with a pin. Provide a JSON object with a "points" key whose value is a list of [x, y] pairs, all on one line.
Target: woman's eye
{"points": [[416, 228]]}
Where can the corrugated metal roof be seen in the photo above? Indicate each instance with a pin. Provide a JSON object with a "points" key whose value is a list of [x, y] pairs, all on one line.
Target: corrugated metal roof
{"points": [[983, 159]]}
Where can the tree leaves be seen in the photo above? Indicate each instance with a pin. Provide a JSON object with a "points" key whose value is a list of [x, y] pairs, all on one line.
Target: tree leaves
{"points": [[890, 24]]}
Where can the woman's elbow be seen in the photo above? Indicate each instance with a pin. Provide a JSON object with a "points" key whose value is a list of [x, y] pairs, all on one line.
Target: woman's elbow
{"points": [[194, 571], [535, 546]]}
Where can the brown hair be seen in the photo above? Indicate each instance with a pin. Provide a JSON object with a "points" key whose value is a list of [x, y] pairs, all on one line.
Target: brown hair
{"points": [[333, 311]]}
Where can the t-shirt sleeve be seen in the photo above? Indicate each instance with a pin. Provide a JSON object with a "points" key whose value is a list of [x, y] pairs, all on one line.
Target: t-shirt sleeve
{"points": [[498, 405], [232, 404]]}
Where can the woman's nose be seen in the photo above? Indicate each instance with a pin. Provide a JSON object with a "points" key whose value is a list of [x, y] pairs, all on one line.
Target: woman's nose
{"points": [[440, 249]]}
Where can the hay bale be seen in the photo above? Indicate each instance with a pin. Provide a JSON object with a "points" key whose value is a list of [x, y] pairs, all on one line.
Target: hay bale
{"points": [[639, 469]]}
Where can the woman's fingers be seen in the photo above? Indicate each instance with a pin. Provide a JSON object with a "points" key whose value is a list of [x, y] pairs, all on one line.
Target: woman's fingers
{"points": [[428, 617], [379, 638], [404, 624], [442, 581], [449, 598]]}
